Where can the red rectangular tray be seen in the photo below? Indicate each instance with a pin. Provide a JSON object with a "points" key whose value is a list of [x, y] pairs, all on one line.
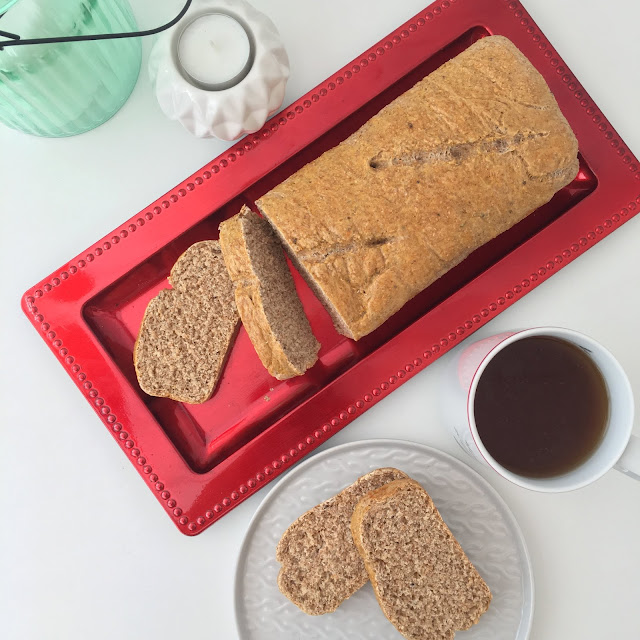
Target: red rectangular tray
{"points": [[200, 461]]}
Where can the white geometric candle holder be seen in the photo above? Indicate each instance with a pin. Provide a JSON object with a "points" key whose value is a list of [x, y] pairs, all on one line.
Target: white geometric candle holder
{"points": [[225, 112]]}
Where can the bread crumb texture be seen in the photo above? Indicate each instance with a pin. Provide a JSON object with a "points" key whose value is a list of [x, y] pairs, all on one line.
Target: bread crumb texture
{"points": [[423, 580], [266, 296], [187, 331], [320, 564]]}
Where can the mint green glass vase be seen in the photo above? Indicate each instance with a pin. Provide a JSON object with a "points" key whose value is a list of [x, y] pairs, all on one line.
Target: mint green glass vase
{"points": [[63, 89]]}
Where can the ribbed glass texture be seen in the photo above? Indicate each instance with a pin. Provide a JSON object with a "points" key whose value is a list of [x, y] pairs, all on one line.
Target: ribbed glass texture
{"points": [[67, 88]]}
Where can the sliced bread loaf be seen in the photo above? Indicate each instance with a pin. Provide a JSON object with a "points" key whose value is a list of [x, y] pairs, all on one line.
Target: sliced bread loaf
{"points": [[266, 296], [423, 580], [187, 331], [320, 564]]}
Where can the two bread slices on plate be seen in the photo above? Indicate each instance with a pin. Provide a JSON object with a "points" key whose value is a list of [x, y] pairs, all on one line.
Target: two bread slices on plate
{"points": [[384, 528]]}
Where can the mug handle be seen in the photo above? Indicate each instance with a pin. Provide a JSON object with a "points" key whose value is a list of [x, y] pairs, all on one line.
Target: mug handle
{"points": [[629, 462]]}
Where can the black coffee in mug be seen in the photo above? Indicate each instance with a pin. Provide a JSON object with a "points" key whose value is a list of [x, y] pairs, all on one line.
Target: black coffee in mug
{"points": [[541, 407]]}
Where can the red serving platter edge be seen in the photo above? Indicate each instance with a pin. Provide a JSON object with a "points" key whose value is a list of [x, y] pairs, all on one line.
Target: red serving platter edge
{"points": [[195, 500]]}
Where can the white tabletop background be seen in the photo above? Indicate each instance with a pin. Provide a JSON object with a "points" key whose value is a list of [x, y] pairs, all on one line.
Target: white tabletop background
{"points": [[86, 552]]}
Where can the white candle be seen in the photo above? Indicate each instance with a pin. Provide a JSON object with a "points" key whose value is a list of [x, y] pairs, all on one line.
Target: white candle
{"points": [[214, 50]]}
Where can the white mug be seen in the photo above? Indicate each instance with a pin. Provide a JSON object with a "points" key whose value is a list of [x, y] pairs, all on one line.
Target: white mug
{"points": [[618, 446]]}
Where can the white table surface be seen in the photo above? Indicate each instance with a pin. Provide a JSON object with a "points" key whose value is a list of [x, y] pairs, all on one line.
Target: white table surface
{"points": [[87, 552]]}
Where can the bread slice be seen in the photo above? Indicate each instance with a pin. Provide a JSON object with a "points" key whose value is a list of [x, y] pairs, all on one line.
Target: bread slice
{"points": [[187, 331], [456, 160], [424, 582], [266, 296], [320, 564]]}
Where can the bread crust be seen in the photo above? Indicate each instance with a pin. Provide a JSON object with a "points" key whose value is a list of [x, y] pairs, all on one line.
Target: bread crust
{"points": [[459, 158]]}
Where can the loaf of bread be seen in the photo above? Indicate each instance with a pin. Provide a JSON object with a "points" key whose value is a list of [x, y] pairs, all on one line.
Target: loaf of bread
{"points": [[320, 564], [266, 297], [187, 331], [423, 580], [459, 158]]}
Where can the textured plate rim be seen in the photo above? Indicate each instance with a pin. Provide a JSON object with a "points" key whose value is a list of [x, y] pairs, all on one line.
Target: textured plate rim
{"points": [[526, 622]]}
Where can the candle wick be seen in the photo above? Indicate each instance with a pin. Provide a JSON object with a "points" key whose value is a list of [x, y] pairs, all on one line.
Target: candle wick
{"points": [[213, 44]]}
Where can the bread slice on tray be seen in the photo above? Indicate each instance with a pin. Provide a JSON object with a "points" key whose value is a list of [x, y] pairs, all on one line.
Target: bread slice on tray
{"points": [[266, 296], [320, 564], [187, 331], [423, 580]]}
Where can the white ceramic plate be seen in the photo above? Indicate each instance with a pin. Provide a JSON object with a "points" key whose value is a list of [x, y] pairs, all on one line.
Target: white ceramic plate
{"points": [[474, 512]]}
